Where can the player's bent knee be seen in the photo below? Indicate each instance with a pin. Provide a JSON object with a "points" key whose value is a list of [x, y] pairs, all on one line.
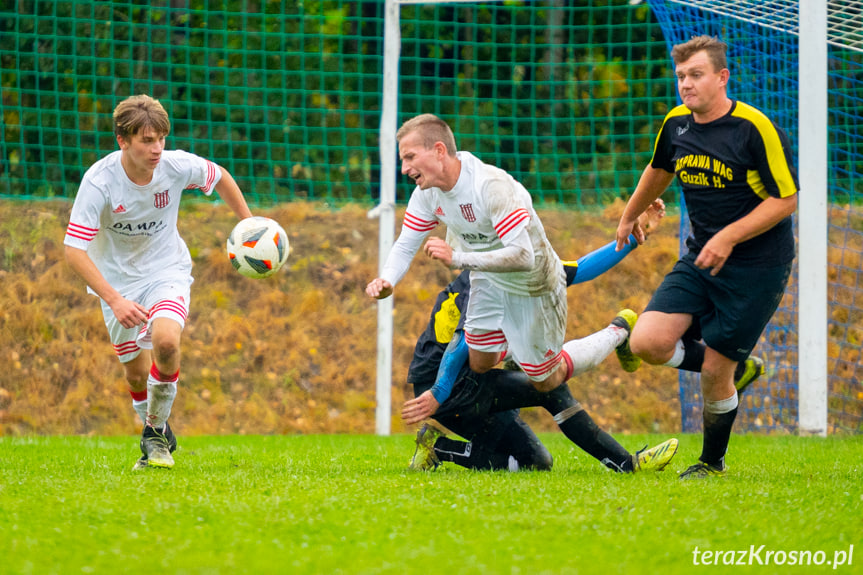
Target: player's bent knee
{"points": [[650, 349], [166, 350], [543, 462]]}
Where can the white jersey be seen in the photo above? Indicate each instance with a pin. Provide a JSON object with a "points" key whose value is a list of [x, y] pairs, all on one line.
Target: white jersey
{"points": [[485, 210], [130, 231]]}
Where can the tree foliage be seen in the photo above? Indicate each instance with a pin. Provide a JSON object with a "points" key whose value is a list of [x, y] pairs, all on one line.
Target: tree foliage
{"points": [[287, 94]]}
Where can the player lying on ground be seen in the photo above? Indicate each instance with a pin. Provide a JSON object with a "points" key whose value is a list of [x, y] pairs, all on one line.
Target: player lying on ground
{"points": [[122, 240], [484, 407]]}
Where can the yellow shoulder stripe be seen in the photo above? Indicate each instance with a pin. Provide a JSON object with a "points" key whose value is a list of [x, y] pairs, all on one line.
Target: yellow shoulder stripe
{"points": [[676, 111], [775, 155]]}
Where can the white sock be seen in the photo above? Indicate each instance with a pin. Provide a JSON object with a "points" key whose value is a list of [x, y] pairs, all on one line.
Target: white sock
{"points": [[722, 405], [590, 351], [160, 395], [679, 353], [141, 409]]}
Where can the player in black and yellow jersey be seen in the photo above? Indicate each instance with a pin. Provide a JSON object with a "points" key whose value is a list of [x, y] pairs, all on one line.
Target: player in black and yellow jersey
{"points": [[735, 171]]}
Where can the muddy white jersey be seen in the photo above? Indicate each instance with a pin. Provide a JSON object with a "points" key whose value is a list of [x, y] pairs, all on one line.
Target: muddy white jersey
{"points": [[485, 211], [130, 231]]}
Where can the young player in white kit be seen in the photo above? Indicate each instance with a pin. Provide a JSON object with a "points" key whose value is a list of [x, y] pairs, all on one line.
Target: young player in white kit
{"points": [[122, 239], [518, 292]]}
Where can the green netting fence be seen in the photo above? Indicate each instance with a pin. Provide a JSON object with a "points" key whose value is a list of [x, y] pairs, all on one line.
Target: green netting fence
{"points": [[287, 95], [566, 96]]}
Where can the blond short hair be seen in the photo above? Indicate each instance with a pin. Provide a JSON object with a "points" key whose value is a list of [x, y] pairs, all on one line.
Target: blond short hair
{"points": [[137, 112], [714, 47], [431, 129]]}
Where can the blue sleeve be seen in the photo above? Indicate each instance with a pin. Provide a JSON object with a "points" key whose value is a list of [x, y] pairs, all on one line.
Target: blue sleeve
{"points": [[451, 363], [600, 261]]}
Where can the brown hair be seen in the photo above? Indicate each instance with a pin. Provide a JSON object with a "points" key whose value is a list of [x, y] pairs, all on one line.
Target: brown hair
{"points": [[136, 112], [714, 47], [431, 129]]}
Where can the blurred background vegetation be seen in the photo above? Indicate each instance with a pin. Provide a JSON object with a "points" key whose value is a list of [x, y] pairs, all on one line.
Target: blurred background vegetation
{"points": [[566, 96], [287, 95], [293, 353]]}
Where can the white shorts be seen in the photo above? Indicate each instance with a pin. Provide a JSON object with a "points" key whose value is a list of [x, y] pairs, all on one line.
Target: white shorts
{"points": [[169, 297], [533, 328]]}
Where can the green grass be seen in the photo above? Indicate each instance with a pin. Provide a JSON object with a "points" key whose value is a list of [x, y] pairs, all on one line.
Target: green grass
{"points": [[347, 504]]}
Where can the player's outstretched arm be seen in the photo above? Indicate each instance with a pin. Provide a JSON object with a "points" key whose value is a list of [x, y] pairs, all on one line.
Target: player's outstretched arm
{"points": [[601, 260], [419, 408], [379, 288], [651, 185], [427, 403], [231, 194], [650, 218]]}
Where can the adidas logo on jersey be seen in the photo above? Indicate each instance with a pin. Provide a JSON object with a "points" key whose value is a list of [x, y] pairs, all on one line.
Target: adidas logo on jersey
{"points": [[120, 209], [439, 211]]}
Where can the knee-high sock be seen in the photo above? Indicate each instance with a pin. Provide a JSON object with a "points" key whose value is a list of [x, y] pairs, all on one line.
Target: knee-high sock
{"points": [[577, 425], [590, 351], [688, 355], [718, 419], [161, 391], [463, 453], [139, 404]]}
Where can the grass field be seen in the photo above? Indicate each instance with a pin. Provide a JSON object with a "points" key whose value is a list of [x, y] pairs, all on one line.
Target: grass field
{"points": [[347, 504]]}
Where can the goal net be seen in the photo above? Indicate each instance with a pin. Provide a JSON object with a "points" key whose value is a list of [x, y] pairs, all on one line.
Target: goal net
{"points": [[763, 39]]}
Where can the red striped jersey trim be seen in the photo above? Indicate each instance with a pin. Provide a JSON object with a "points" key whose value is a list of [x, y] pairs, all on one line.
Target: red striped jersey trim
{"points": [[211, 177], [419, 225], [81, 232], [511, 221], [491, 338], [125, 348], [542, 368], [168, 305]]}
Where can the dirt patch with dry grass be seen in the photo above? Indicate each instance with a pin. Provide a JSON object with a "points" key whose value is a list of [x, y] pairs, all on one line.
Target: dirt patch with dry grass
{"points": [[295, 353]]}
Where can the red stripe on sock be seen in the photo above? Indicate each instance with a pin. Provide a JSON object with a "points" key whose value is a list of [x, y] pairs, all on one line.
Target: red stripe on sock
{"points": [[162, 377], [138, 395]]}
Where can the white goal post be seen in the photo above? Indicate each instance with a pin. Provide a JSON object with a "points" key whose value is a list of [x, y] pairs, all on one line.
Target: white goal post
{"points": [[812, 220], [385, 210]]}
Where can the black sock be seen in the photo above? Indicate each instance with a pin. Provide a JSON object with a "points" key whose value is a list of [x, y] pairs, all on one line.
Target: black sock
{"points": [[582, 431], [453, 450], [693, 355], [463, 453], [717, 432]]}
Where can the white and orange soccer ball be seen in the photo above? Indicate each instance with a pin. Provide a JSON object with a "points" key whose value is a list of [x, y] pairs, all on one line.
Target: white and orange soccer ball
{"points": [[258, 247]]}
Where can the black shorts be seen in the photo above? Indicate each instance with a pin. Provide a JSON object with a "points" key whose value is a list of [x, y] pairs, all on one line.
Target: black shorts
{"points": [[730, 310]]}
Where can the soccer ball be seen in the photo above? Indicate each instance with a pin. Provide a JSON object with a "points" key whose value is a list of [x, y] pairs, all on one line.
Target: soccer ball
{"points": [[257, 247]]}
